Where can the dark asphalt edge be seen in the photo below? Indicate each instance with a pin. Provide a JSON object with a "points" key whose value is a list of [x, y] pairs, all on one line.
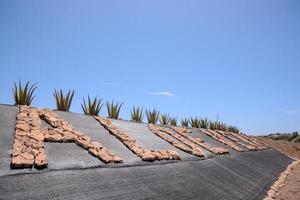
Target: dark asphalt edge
{"points": [[114, 166]]}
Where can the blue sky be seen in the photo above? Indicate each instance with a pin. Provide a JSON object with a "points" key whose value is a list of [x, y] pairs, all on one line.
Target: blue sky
{"points": [[238, 60]]}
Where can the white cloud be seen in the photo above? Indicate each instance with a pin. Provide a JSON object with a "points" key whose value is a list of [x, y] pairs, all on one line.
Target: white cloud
{"points": [[169, 94]]}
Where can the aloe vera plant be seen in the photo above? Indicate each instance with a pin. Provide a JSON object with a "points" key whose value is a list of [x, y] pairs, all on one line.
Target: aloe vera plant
{"points": [[63, 101], [184, 122], [152, 116], [204, 123], [137, 114], [212, 125], [24, 95], [173, 121], [194, 122], [233, 129], [92, 107], [164, 119], [221, 126], [113, 109]]}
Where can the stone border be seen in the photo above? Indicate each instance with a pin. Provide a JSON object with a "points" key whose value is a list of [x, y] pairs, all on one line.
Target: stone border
{"points": [[184, 133], [130, 143], [253, 144], [186, 145], [29, 150], [28, 147], [64, 132], [281, 181], [237, 140], [221, 139], [255, 141]]}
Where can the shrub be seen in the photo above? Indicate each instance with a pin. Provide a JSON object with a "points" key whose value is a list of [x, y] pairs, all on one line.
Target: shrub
{"points": [[63, 101], [194, 122], [293, 136], [152, 116], [92, 107], [173, 121], [113, 109], [137, 114], [297, 139], [184, 122], [204, 123], [24, 95], [164, 119]]}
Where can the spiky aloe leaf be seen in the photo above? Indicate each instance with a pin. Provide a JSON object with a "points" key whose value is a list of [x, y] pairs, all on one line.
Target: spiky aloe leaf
{"points": [[194, 122], [173, 121], [233, 129], [24, 95], [184, 122], [152, 116], [164, 119], [91, 107], [204, 123], [113, 109], [63, 101], [136, 114]]}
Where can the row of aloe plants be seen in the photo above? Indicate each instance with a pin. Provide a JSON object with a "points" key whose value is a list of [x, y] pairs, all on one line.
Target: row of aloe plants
{"points": [[24, 95], [208, 124]]}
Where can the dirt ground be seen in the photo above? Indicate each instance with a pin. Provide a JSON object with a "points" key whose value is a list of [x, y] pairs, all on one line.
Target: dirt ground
{"points": [[291, 190]]}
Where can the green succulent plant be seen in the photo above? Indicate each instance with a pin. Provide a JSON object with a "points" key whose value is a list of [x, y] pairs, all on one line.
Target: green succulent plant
{"points": [[233, 129], [212, 125], [221, 126], [184, 122], [23, 95], [136, 114], [113, 109], [164, 119], [152, 116], [194, 122], [204, 123], [173, 121], [63, 101], [92, 107]]}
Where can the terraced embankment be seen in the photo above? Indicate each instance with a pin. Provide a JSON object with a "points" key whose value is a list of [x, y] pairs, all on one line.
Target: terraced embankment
{"points": [[88, 158]]}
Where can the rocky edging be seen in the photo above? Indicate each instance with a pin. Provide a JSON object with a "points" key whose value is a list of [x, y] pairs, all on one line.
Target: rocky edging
{"points": [[221, 139], [184, 133], [237, 140], [185, 145], [281, 181], [130, 143], [29, 150]]}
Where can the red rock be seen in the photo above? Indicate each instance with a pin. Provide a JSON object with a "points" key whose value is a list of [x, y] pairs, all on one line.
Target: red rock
{"points": [[198, 152], [22, 161], [117, 159], [147, 156], [93, 152], [174, 155], [40, 160]]}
